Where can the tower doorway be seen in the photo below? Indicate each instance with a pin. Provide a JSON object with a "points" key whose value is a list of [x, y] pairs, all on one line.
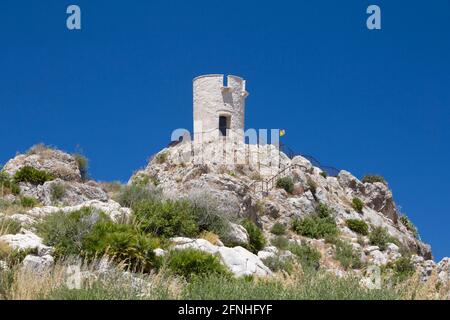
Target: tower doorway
{"points": [[224, 125]]}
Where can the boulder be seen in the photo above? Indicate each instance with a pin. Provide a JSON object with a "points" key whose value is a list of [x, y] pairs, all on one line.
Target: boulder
{"points": [[303, 163], [238, 234], [71, 193], [348, 181], [62, 165], [369, 249], [37, 264], [378, 258], [159, 252], [25, 242], [238, 260], [379, 198], [23, 219], [268, 252]]}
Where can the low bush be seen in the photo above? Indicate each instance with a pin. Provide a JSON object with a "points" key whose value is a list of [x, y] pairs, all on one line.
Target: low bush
{"points": [[83, 166], [256, 236], [167, 218], [9, 226], [308, 256], [191, 263], [90, 234], [380, 237], [208, 217], [122, 243], [312, 186], [32, 175], [66, 231], [358, 226], [162, 157], [276, 264], [28, 202], [373, 178], [281, 242], [403, 268], [278, 229], [348, 257], [285, 183], [324, 174], [409, 225], [131, 195], [57, 191], [319, 225], [358, 205], [7, 185]]}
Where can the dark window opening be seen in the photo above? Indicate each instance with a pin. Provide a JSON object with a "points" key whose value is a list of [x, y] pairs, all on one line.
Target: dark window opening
{"points": [[223, 125]]}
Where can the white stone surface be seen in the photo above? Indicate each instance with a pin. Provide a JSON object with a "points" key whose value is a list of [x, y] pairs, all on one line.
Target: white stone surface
{"points": [[26, 241], [238, 260], [37, 264], [110, 208], [213, 99]]}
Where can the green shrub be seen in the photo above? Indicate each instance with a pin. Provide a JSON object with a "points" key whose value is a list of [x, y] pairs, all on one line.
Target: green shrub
{"points": [[256, 236], [278, 229], [312, 186], [208, 217], [162, 157], [324, 174], [122, 243], [358, 205], [15, 188], [308, 256], [91, 234], [380, 237], [131, 195], [373, 178], [347, 256], [32, 175], [166, 218], [7, 184], [278, 264], [358, 226], [319, 225], [66, 231], [83, 166], [286, 183], [191, 263], [28, 202], [57, 191], [403, 268], [9, 226], [409, 225], [280, 242]]}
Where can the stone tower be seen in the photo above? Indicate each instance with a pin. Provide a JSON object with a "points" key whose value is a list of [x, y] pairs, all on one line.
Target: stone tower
{"points": [[219, 108]]}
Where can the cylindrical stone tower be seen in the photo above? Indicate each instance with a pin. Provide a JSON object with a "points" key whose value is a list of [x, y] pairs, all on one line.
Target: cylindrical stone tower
{"points": [[219, 108]]}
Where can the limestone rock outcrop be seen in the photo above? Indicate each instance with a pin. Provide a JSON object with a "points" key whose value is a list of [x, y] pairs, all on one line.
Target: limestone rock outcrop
{"points": [[238, 260]]}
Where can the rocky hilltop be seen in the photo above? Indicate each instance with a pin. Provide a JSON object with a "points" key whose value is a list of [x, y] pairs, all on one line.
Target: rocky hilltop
{"points": [[270, 216]]}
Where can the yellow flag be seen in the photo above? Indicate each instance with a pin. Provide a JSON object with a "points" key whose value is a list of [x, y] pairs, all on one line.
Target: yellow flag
{"points": [[282, 133]]}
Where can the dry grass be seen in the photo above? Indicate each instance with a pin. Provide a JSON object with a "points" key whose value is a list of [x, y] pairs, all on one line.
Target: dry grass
{"points": [[433, 289], [209, 236]]}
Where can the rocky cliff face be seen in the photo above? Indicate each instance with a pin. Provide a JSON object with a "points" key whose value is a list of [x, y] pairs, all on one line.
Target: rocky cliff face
{"points": [[238, 189]]}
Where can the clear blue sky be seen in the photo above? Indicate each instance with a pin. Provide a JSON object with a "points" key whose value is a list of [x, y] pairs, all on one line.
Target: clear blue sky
{"points": [[366, 101]]}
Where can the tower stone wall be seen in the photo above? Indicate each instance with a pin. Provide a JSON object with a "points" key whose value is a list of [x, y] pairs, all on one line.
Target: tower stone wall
{"points": [[217, 103]]}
